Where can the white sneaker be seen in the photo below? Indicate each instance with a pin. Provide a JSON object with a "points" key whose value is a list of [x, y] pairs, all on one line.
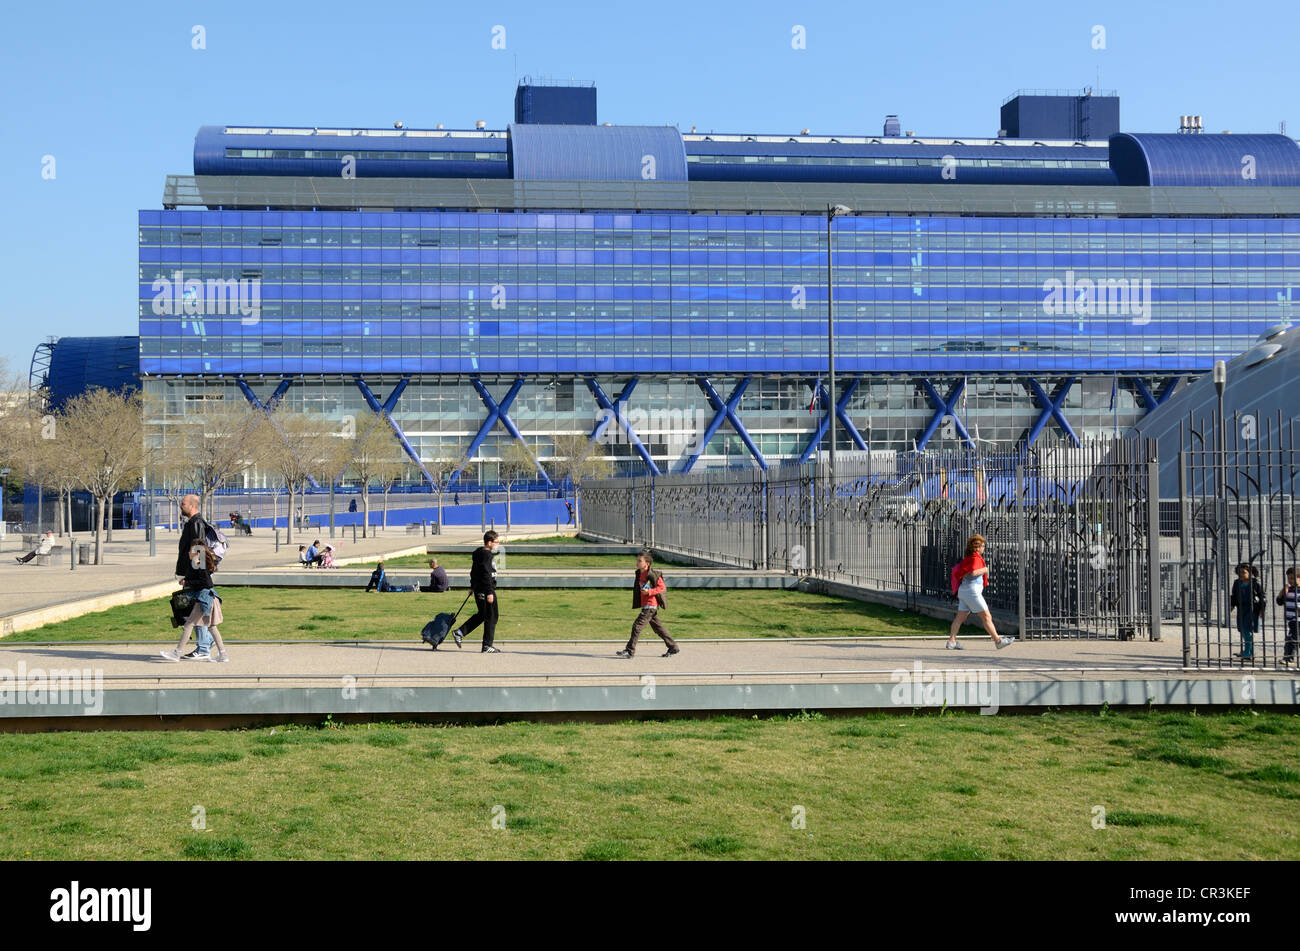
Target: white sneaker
{"points": [[1006, 642], [220, 657], [172, 655], [954, 646]]}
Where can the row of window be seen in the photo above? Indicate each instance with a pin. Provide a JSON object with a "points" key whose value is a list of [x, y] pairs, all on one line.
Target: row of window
{"points": [[877, 161], [150, 236], [364, 154]]}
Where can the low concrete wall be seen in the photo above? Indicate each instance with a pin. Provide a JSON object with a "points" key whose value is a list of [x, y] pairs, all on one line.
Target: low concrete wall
{"points": [[544, 578], [53, 613]]}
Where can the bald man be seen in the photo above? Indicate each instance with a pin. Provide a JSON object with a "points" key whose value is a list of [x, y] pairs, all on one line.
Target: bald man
{"points": [[192, 533]]}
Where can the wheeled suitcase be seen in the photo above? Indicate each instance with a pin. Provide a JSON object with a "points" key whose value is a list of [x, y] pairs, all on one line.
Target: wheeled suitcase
{"points": [[435, 632]]}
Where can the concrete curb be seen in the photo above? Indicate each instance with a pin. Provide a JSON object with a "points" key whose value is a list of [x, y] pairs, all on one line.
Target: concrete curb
{"points": [[53, 613]]}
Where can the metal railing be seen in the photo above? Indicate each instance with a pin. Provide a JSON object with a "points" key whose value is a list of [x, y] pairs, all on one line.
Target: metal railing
{"points": [[1072, 536], [1238, 503]]}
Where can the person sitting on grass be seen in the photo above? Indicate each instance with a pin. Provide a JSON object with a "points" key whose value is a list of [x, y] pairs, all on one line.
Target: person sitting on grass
{"points": [[379, 582], [437, 577], [970, 576]]}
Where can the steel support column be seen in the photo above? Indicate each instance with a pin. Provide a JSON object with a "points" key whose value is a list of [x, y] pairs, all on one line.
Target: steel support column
{"points": [[841, 413], [1051, 410], [724, 410], [614, 412], [385, 410], [944, 408]]}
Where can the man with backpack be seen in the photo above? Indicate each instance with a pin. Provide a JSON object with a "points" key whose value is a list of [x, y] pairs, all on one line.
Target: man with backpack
{"points": [[483, 583], [195, 562], [647, 598]]}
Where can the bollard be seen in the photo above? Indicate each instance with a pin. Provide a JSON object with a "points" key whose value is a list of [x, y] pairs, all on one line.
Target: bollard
{"points": [[72, 550], [354, 533], [424, 528], [277, 539]]}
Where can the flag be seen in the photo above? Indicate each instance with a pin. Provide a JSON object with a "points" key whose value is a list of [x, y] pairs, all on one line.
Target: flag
{"points": [[816, 391], [943, 483], [1114, 391], [981, 488]]}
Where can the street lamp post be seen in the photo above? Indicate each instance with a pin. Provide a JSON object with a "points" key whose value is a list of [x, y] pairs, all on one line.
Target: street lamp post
{"points": [[1220, 376], [831, 212]]}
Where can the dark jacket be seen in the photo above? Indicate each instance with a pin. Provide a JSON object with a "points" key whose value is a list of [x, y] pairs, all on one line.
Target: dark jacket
{"points": [[194, 532], [438, 579], [378, 579], [654, 598], [483, 573], [1248, 594]]}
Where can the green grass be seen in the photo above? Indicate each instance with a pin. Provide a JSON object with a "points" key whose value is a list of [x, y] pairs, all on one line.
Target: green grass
{"points": [[956, 787], [511, 561], [255, 614]]}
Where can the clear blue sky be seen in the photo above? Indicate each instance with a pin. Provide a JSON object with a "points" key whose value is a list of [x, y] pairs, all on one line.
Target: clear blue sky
{"points": [[115, 92]]}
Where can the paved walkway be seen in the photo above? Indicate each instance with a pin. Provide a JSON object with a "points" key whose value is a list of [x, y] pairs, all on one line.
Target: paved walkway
{"points": [[785, 660], [127, 565]]}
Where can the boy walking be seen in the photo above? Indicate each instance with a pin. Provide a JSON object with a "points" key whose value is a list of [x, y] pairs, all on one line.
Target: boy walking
{"points": [[647, 598], [483, 582], [1289, 599]]}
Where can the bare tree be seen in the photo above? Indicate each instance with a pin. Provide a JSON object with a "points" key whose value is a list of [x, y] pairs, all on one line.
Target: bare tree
{"points": [[574, 458], [372, 451], [222, 443], [441, 469], [517, 464], [103, 431], [299, 445]]}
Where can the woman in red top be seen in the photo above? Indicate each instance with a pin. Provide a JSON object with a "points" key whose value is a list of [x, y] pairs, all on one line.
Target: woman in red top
{"points": [[973, 573]]}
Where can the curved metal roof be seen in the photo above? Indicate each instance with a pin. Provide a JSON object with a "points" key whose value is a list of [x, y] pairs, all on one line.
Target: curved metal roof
{"points": [[84, 363], [596, 153], [1204, 160]]}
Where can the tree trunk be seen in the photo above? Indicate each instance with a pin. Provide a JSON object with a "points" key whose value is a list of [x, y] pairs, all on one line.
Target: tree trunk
{"points": [[365, 509], [99, 529], [288, 521], [108, 520], [507, 506], [439, 509], [387, 486]]}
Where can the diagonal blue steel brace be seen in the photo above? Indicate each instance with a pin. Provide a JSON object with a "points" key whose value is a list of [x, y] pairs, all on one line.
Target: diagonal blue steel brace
{"points": [[944, 408], [724, 411], [1168, 390], [269, 406], [1051, 410], [841, 413], [272, 401], [385, 410], [497, 413], [1144, 393], [615, 411]]}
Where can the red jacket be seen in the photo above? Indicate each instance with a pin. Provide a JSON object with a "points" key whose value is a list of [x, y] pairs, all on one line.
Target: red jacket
{"points": [[649, 599], [972, 563]]}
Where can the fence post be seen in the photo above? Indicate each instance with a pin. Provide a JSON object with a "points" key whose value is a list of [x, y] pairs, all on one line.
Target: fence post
{"points": [[1153, 537], [1022, 556], [762, 515], [652, 512]]}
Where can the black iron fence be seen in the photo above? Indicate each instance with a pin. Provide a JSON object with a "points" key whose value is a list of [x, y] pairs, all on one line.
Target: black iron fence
{"points": [[1239, 528], [1073, 540]]}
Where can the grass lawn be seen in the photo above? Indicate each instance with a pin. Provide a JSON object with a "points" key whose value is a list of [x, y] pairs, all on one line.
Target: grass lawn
{"points": [[257, 614], [1173, 786], [513, 559]]}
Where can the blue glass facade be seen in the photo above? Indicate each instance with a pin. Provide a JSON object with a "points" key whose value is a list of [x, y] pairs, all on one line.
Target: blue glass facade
{"points": [[533, 293]]}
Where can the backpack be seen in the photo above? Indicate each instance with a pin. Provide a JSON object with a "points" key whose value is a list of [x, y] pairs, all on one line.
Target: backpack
{"points": [[216, 543]]}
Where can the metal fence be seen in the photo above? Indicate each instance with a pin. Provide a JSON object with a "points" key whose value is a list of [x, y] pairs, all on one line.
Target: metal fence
{"points": [[1237, 507], [1072, 534]]}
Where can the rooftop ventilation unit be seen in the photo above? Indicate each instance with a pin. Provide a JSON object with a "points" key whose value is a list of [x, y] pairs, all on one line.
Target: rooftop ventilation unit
{"points": [[892, 126]]}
